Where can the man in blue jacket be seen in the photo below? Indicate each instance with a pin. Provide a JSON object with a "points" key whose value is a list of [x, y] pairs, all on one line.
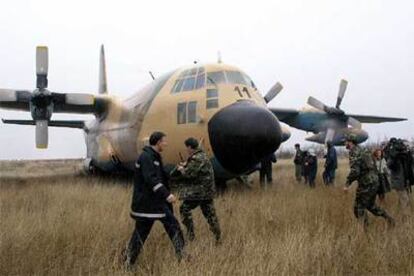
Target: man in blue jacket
{"points": [[331, 164], [152, 200]]}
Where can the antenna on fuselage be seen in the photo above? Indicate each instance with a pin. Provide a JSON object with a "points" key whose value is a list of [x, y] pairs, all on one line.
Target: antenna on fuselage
{"points": [[152, 75], [219, 60]]}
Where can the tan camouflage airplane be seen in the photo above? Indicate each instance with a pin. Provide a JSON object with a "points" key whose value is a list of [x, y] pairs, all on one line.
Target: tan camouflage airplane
{"points": [[216, 103]]}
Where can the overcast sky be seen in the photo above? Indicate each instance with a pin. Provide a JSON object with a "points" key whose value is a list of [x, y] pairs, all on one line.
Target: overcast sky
{"points": [[307, 45]]}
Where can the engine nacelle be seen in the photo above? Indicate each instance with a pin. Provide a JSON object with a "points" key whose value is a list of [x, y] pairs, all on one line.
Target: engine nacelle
{"points": [[285, 133], [340, 136]]}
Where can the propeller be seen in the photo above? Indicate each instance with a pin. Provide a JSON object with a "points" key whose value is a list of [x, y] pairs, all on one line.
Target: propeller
{"points": [[273, 92], [41, 101], [341, 93], [336, 111], [330, 134], [42, 134]]}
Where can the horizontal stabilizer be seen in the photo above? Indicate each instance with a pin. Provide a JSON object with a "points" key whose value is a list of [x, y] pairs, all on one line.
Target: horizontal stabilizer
{"points": [[375, 119], [69, 124]]}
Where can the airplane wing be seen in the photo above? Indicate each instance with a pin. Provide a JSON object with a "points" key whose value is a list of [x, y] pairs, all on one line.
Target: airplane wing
{"points": [[375, 119], [66, 123], [15, 99], [284, 114], [62, 102]]}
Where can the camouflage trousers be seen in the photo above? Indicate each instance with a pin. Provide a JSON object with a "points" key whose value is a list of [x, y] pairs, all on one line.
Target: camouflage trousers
{"points": [[365, 200], [209, 212]]}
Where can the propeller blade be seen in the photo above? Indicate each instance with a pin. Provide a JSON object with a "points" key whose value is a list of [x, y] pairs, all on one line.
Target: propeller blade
{"points": [[341, 92], [330, 134], [317, 104], [8, 95], [79, 99], [41, 134], [354, 123], [42, 66], [273, 92]]}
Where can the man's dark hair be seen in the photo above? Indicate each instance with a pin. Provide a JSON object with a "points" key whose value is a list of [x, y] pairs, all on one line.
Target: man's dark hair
{"points": [[191, 142], [156, 137], [297, 146]]}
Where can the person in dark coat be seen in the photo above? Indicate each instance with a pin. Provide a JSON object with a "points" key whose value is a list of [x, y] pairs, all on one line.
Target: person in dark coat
{"points": [[298, 161], [265, 172], [310, 167], [151, 200], [383, 173], [331, 164]]}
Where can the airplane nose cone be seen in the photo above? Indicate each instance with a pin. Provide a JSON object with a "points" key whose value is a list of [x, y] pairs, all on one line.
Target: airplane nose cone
{"points": [[243, 133]]}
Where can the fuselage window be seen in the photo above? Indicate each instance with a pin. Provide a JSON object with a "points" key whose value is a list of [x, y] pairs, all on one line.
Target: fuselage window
{"points": [[212, 98], [212, 103], [212, 93], [235, 77], [181, 113], [187, 113], [192, 112], [214, 78]]}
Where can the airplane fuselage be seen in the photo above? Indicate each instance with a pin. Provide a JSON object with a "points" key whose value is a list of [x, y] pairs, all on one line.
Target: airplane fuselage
{"points": [[180, 103]]}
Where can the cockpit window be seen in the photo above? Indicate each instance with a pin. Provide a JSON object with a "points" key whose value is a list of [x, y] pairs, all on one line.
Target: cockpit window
{"points": [[214, 78], [195, 78], [249, 81], [201, 79], [188, 84], [235, 77], [189, 80]]}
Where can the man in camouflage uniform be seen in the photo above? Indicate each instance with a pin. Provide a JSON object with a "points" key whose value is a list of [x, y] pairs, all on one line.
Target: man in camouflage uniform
{"points": [[197, 188], [363, 170]]}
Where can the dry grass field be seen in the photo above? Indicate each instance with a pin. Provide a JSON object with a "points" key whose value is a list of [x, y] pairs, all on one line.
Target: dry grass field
{"points": [[79, 225]]}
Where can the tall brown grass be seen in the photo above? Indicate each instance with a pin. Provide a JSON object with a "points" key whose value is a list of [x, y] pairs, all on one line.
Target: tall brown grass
{"points": [[80, 225]]}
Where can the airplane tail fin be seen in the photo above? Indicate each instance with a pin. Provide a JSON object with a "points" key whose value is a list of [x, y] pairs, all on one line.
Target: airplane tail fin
{"points": [[103, 87]]}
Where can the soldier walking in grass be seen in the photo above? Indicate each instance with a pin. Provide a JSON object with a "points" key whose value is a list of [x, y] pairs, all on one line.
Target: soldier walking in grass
{"points": [[152, 200], [363, 170], [197, 189]]}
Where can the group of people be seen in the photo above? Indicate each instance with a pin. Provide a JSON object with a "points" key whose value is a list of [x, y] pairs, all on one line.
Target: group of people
{"points": [[306, 165], [152, 199], [377, 172]]}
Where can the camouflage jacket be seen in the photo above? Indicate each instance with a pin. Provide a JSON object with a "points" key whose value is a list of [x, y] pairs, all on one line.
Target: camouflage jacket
{"points": [[362, 168], [196, 181]]}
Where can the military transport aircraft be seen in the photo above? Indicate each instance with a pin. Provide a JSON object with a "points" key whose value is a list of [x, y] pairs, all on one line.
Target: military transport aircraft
{"points": [[329, 123], [216, 103]]}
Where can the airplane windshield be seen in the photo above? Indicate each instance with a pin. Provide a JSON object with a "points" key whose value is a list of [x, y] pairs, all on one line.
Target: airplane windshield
{"points": [[195, 78], [235, 77], [189, 80], [214, 78]]}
